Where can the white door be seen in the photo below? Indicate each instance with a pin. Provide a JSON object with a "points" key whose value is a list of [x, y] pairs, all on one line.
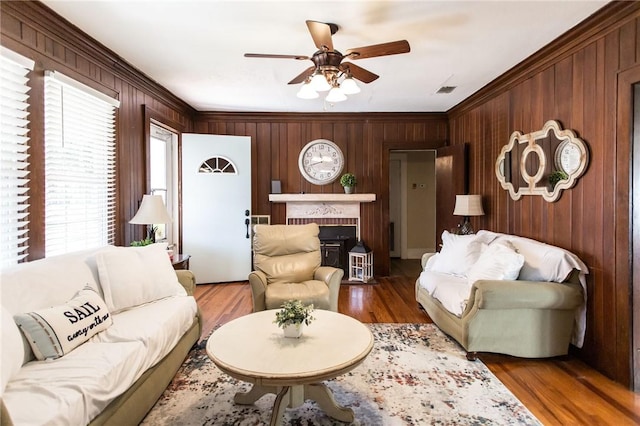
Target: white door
{"points": [[216, 204]]}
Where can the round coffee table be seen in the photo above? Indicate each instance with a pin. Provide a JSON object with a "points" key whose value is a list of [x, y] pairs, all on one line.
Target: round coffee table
{"points": [[253, 349]]}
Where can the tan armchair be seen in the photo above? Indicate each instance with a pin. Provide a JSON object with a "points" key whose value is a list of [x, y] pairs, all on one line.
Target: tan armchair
{"points": [[286, 260]]}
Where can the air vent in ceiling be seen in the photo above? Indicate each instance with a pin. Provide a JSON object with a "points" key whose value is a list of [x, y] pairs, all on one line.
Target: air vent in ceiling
{"points": [[446, 89]]}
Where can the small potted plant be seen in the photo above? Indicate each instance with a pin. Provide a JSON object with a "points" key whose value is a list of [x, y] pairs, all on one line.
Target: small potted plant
{"points": [[348, 181], [556, 177], [142, 243], [292, 316]]}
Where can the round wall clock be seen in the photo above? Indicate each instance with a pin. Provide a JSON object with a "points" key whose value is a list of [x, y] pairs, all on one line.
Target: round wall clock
{"points": [[321, 161], [568, 157]]}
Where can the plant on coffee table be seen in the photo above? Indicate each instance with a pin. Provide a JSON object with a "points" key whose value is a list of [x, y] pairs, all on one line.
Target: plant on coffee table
{"points": [[293, 312]]}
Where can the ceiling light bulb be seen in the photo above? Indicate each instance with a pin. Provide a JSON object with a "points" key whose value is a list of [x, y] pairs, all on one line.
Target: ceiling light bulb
{"points": [[349, 86], [320, 83], [335, 95], [307, 92]]}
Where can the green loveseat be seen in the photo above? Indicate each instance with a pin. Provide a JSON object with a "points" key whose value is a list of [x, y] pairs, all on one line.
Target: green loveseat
{"points": [[521, 317]]}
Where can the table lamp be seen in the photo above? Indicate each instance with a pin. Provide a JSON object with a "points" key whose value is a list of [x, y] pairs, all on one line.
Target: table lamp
{"points": [[152, 211], [467, 205]]}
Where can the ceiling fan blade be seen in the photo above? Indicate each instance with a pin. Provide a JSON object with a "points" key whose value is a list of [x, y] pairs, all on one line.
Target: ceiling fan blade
{"points": [[358, 72], [303, 75], [321, 34], [266, 55], [384, 49]]}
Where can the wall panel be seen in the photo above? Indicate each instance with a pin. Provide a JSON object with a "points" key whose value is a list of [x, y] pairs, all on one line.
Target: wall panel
{"points": [[573, 80]]}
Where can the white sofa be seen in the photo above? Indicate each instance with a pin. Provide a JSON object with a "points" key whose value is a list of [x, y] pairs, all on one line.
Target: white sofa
{"points": [[128, 302], [506, 294]]}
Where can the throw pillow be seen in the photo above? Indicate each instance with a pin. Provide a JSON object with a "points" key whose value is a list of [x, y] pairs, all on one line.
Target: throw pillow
{"points": [[132, 276], [498, 262], [544, 262], [56, 331], [458, 253]]}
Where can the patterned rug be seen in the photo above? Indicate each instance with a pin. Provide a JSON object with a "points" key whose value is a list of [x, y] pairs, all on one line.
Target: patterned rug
{"points": [[415, 375]]}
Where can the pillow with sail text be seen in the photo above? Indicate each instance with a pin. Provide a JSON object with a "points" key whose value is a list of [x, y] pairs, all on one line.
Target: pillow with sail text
{"points": [[54, 332]]}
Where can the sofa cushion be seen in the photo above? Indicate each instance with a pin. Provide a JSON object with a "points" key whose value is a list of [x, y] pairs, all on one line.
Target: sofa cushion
{"points": [[132, 276], [158, 325], [499, 261], [293, 268], [74, 389], [310, 291], [451, 290], [56, 331], [50, 281], [458, 253]]}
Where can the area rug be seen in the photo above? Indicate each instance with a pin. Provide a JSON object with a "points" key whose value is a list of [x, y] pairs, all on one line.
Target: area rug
{"points": [[415, 375]]}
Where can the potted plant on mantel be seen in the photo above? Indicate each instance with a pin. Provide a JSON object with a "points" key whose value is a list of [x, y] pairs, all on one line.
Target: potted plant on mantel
{"points": [[293, 316], [348, 181]]}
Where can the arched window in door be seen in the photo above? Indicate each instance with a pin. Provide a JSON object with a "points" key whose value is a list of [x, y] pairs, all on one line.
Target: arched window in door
{"points": [[218, 165]]}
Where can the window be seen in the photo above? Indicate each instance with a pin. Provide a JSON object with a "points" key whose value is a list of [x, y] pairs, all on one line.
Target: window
{"points": [[163, 165], [79, 166], [14, 146], [217, 165]]}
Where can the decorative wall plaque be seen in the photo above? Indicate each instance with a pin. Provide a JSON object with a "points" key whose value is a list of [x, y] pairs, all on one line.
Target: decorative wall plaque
{"points": [[523, 167]]}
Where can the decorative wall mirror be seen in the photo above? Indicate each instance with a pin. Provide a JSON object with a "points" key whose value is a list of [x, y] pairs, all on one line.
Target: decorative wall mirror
{"points": [[568, 159]]}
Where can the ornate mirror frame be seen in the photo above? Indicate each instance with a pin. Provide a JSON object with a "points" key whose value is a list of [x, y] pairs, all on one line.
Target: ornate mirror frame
{"points": [[529, 155]]}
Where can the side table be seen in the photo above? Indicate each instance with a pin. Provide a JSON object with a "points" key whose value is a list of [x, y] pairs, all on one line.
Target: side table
{"points": [[180, 261]]}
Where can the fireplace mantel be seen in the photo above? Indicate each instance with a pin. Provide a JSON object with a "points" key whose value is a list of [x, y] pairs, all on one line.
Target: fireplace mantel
{"points": [[322, 198], [324, 209]]}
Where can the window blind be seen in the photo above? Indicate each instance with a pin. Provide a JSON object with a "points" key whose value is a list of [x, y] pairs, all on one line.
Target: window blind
{"points": [[79, 166], [14, 171]]}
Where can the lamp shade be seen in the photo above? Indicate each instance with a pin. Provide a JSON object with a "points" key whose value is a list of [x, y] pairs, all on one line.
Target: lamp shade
{"points": [[152, 210], [319, 83], [349, 86], [468, 205], [307, 92], [335, 95]]}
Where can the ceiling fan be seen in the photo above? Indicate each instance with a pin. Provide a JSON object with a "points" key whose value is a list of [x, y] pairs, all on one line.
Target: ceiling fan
{"points": [[329, 67]]}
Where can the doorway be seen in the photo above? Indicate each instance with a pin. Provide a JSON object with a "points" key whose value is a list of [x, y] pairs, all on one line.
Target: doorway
{"points": [[412, 189]]}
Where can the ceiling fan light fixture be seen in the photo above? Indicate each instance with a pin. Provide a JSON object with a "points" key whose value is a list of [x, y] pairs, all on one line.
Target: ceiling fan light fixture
{"points": [[319, 82], [336, 95], [307, 92], [349, 86]]}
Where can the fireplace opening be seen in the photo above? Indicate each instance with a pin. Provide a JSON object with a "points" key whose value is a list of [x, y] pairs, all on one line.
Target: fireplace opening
{"points": [[335, 243]]}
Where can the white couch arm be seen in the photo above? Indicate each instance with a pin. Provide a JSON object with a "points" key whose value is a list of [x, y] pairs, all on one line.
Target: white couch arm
{"points": [[425, 258]]}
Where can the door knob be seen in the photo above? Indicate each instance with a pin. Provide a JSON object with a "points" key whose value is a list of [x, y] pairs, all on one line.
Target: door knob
{"points": [[247, 222]]}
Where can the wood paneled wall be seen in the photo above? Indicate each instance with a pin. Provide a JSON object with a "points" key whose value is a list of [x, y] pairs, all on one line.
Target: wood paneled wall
{"points": [[573, 80], [365, 140], [34, 31]]}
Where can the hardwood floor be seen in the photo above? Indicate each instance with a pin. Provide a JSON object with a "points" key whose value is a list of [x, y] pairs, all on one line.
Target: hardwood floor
{"points": [[558, 391]]}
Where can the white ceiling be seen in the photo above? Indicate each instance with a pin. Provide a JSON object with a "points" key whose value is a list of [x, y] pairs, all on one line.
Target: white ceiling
{"points": [[195, 48]]}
